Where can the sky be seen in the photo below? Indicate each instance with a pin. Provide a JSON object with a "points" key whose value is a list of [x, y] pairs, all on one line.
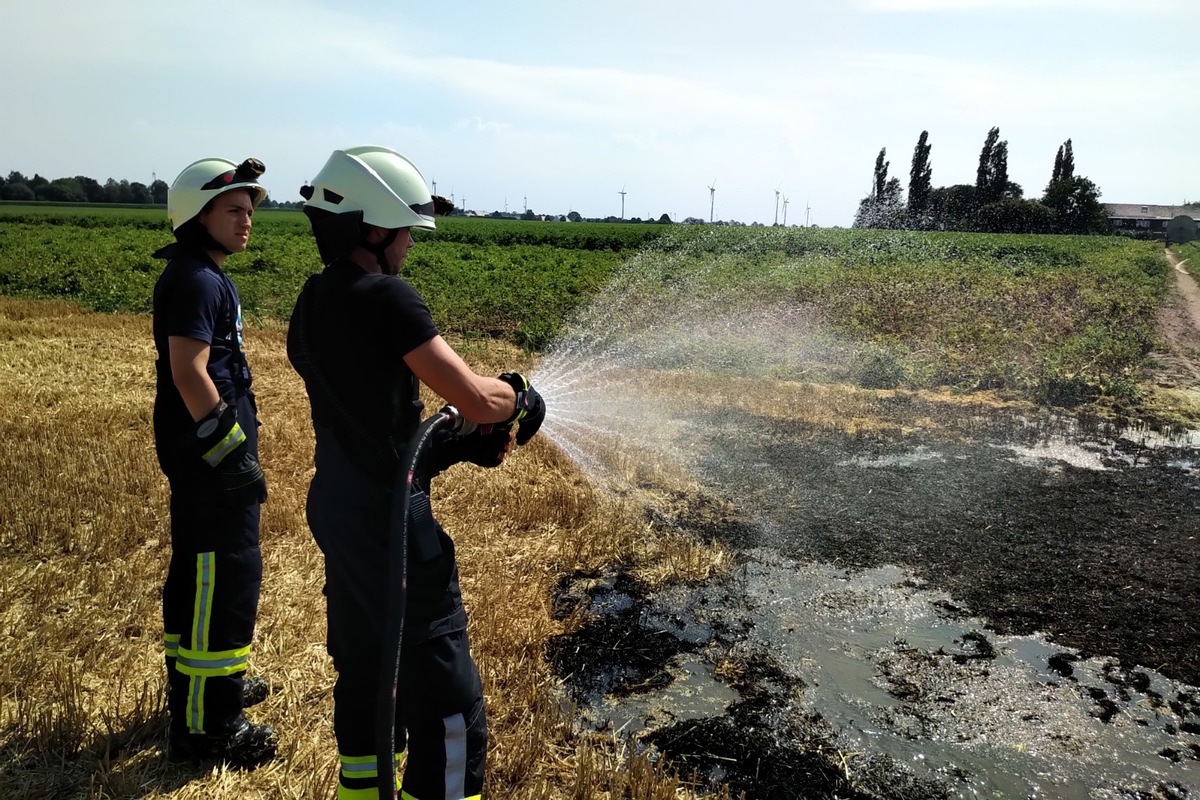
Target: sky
{"points": [[692, 109]]}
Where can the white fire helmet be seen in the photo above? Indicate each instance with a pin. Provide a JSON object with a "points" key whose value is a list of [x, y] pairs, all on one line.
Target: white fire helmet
{"points": [[203, 180], [384, 185]]}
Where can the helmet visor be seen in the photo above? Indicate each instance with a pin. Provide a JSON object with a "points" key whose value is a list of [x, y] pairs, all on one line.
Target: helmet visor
{"points": [[424, 209]]}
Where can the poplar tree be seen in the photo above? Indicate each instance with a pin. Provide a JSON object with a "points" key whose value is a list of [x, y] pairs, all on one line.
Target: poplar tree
{"points": [[920, 181], [983, 173], [881, 171], [991, 179]]}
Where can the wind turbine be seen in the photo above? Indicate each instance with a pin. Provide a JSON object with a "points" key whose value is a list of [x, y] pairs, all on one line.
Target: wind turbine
{"points": [[434, 182], [776, 205], [807, 208], [712, 199], [622, 193], [785, 202]]}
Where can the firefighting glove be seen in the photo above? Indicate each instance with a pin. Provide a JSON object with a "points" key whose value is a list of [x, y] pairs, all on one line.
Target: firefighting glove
{"points": [[531, 410], [485, 445], [222, 444], [441, 206]]}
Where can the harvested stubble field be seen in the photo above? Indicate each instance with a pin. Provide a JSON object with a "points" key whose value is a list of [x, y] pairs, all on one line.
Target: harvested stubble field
{"points": [[83, 524], [83, 549]]}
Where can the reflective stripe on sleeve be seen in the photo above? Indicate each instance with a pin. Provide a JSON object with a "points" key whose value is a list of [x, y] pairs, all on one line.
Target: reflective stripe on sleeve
{"points": [[224, 447]]}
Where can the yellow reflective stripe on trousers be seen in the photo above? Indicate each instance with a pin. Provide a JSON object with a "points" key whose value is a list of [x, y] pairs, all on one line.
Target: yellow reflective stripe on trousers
{"points": [[206, 578], [171, 644], [359, 767], [224, 447], [212, 664], [407, 796], [362, 768], [206, 567]]}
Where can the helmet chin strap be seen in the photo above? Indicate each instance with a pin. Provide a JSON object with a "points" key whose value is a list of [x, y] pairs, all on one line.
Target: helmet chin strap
{"points": [[380, 250], [195, 234]]}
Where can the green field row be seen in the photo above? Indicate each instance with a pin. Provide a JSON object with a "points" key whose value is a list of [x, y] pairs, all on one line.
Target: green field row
{"points": [[1058, 318]]}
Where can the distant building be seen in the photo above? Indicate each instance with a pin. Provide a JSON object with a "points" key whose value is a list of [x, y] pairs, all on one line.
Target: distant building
{"points": [[1146, 221]]}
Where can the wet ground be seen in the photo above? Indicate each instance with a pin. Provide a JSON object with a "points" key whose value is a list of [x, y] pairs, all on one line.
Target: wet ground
{"points": [[1002, 608]]}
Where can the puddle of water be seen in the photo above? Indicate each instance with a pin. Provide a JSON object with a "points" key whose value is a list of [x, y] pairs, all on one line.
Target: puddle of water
{"points": [[693, 693], [906, 459], [890, 672]]}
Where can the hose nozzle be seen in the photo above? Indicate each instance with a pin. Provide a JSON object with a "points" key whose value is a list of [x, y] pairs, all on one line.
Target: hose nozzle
{"points": [[458, 423]]}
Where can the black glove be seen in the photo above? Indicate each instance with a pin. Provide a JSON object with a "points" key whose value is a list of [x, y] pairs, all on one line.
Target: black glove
{"points": [[221, 442], [531, 410], [441, 206], [486, 446]]}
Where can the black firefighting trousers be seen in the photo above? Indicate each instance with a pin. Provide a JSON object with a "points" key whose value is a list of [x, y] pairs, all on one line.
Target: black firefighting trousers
{"points": [[439, 699], [210, 597], [210, 601]]}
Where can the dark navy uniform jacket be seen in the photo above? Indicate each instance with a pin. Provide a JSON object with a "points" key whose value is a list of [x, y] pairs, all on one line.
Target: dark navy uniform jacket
{"points": [[194, 298]]}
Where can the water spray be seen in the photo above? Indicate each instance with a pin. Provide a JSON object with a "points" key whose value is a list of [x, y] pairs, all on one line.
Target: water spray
{"points": [[389, 676]]}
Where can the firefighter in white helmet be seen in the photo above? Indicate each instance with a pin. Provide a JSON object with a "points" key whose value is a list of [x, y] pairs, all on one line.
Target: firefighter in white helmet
{"points": [[206, 438], [363, 340]]}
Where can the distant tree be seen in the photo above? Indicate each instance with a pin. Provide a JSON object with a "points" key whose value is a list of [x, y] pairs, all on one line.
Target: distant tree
{"points": [[991, 177], [920, 183], [1076, 205], [118, 191], [2, 182], [884, 207], [999, 171], [665, 219], [983, 171], [16, 177], [953, 207], [18, 191], [158, 192], [574, 216], [139, 193], [36, 181], [884, 211], [62, 190], [1073, 199], [881, 174], [92, 190], [1064, 164], [1014, 216]]}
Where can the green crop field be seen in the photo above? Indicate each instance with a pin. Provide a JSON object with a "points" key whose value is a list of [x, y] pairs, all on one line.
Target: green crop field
{"points": [[1056, 318]]}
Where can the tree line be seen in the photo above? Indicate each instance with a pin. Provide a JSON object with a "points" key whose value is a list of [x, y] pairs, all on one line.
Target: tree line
{"points": [[82, 189], [1070, 203]]}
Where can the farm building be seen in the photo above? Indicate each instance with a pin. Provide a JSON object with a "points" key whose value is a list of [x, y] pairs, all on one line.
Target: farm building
{"points": [[1150, 221]]}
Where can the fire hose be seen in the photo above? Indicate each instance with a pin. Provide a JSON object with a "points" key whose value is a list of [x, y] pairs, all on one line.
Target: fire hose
{"points": [[389, 676]]}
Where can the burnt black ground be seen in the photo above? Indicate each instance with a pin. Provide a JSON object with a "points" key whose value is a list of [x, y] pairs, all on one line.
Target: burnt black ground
{"points": [[1102, 561], [1106, 562]]}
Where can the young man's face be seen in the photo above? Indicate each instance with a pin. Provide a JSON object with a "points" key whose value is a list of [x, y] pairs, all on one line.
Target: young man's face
{"points": [[398, 250], [228, 219]]}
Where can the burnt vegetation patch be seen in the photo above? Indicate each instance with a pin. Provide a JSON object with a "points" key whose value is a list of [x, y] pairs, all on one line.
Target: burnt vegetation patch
{"points": [[613, 652]]}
